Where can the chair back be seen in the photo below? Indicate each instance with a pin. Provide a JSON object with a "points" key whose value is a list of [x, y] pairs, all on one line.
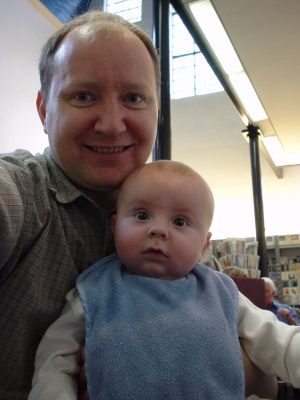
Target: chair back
{"points": [[253, 289]]}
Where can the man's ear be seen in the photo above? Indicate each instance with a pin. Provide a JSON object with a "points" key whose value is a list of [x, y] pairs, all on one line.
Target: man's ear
{"points": [[41, 108], [113, 223]]}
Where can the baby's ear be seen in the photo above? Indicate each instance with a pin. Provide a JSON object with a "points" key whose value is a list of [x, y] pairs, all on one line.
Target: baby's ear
{"points": [[113, 223], [207, 243]]}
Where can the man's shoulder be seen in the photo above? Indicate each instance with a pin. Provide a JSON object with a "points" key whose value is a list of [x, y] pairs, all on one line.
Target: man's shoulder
{"points": [[23, 162]]}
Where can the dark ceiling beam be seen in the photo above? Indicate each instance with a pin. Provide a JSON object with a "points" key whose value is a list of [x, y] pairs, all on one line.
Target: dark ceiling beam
{"points": [[162, 150]]}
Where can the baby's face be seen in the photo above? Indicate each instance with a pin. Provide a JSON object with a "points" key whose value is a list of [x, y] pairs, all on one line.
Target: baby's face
{"points": [[161, 225]]}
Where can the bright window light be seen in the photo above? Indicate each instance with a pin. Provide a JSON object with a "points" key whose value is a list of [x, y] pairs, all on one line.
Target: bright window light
{"points": [[190, 72], [131, 10], [275, 150], [183, 76], [215, 34], [182, 41], [206, 80]]}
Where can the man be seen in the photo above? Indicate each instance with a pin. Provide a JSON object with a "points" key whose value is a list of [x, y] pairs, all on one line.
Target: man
{"points": [[98, 104], [283, 312]]}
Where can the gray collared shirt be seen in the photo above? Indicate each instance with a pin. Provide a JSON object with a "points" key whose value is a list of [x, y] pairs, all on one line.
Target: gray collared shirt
{"points": [[49, 233]]}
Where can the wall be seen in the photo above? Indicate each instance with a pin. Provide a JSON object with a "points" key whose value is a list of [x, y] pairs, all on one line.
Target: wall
{"points": [[23, 32], [207, 134]]}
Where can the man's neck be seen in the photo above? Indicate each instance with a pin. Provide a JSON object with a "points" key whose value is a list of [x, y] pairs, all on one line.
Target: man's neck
{"points": [[106, 201]]}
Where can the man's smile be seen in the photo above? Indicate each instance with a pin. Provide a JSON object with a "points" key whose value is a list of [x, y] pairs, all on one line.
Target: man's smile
{"points": [[109, 150]]}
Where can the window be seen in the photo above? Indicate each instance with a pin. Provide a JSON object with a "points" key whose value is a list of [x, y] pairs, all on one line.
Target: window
{"points": [[189, 71], [128, 9], [191, 75]]}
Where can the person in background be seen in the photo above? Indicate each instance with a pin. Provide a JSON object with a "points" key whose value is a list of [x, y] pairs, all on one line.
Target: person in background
{"points": [[283, 312], [146, 311], [98, 104]]}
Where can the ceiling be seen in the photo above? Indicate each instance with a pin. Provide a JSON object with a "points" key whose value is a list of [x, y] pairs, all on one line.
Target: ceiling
{"points": [[266, 37]]}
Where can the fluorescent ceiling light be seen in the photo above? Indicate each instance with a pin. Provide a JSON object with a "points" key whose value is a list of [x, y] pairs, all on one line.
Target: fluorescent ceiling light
{"points": [[212, 28], [275, 149], [216, 36], [247, 95]]}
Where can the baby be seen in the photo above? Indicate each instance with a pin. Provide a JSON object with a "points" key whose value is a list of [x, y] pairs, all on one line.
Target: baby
{"points": [[158, 324]]}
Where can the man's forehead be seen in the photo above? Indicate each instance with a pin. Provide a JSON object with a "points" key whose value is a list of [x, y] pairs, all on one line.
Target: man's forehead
{"points": [[95, 31]]}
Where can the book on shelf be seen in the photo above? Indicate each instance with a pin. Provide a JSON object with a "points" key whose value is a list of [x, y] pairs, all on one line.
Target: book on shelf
{"points": [[293, 239], [270, 241], [254, 273], [294, 266], [287, 283], [241, 253], [281, 240]]}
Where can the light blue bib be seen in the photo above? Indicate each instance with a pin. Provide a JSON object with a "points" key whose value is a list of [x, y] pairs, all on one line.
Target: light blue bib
{"points": [[151, 339]]}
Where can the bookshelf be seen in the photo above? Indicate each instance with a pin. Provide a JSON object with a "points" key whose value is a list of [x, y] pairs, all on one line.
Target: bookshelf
{"points": [[284, 249], [238, 252], [284, 265]]}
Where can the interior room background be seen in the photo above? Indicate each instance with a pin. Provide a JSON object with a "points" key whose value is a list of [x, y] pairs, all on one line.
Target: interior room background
{"points": [[206, 133]]}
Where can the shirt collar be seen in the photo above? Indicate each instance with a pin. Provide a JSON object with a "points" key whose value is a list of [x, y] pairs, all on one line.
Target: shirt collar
{"points": [[60, 185]]}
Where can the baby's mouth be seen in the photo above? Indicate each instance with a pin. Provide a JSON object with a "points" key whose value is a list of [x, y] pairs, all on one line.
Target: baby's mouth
{"points": [[155, 252]]}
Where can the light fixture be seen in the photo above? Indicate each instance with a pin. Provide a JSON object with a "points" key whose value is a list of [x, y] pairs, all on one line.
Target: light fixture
{"points": [[216, 36], [274, 148], [246, 93]]}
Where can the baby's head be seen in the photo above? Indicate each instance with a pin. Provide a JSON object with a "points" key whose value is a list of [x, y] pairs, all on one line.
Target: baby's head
{"points": [[161, 226]]}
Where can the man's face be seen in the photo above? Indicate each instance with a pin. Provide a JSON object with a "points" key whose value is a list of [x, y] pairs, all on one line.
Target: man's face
{"points": [[269, 293], [101, 111]]}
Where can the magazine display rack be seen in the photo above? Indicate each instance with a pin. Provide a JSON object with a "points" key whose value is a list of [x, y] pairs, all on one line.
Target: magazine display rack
{"points": [[283, 256], [238, 252], [284, 267]]}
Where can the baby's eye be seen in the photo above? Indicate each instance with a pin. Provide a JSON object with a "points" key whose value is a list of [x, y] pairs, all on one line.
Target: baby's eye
{"points": [[142, 216], [180, 222]]}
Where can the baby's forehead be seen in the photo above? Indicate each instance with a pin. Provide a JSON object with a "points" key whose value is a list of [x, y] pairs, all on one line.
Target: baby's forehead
{"points": [[150, 189], [166, 180], [172, 175], [165, 174]]}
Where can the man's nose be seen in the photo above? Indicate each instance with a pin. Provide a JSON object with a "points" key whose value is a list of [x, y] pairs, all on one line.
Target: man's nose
{"points": [[158, 230], [110, 118]]}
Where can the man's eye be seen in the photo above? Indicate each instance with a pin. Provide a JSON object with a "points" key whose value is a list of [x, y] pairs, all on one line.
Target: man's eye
{"points": [[179, 222], [83, 97], [142, 216], [133, 98]]}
